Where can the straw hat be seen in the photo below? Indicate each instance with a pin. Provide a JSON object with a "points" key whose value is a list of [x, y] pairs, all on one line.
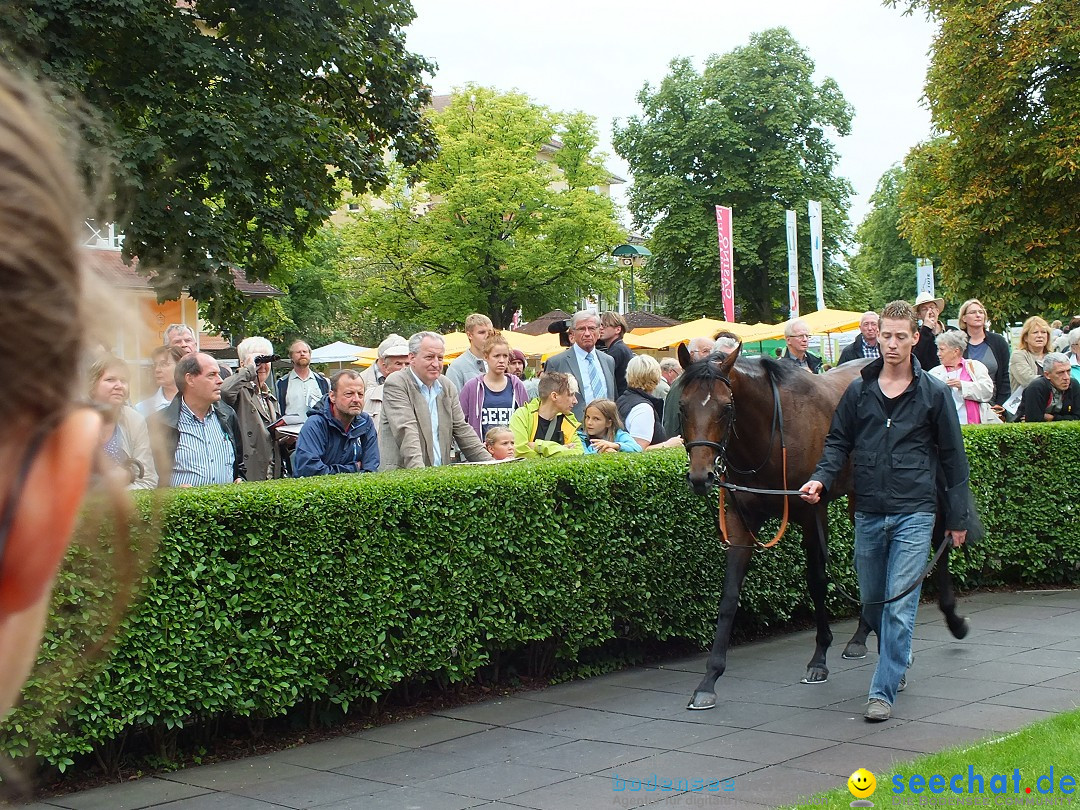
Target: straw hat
{"points": [[927, 298]]}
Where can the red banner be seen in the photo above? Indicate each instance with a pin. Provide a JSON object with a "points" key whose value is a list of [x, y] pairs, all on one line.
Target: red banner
{"points": [[727, 266]]}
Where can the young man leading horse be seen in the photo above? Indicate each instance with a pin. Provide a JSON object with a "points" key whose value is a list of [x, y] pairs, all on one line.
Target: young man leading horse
{"points": [[899, 428]]}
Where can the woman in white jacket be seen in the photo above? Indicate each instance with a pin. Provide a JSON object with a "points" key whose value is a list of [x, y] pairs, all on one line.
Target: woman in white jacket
{"points": [[968, 380], [124, 434]]}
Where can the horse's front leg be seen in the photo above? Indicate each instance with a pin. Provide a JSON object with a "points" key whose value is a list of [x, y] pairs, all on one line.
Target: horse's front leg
{"points": [[816, 670], [958, 625], [739, 555]]}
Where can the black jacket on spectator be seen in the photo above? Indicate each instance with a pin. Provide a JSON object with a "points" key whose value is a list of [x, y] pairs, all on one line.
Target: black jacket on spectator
{"points": [[1000, 347], [622, 355], [1037, 397], [813, 362], [163, 425], [634, 397], [853, 351]]}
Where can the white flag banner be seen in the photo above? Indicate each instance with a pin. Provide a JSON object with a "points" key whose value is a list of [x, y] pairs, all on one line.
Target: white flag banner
{"points": [[792, 266], [924, 275], [814, 210]]}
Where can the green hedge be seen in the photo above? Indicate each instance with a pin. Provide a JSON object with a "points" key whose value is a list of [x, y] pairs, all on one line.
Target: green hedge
{"points": [[335, 590]]}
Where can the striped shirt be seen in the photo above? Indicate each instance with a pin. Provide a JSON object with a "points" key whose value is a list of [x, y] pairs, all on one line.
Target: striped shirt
{"points": [[204, 452]]}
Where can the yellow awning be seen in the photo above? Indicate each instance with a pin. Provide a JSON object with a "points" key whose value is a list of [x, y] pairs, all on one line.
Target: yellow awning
{"points": [[702, 327]]}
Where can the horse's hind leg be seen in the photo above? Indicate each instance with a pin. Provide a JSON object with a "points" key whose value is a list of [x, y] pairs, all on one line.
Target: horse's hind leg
{"points": [[816, 670], [738, 563], [856, 648], [958, 625]]}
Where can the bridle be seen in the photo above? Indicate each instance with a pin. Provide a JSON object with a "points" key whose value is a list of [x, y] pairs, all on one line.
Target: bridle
{"points": [[721, 465]]}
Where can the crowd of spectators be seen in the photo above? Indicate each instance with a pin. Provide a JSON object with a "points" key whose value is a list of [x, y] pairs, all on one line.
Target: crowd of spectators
{"points": [[407, 410]]}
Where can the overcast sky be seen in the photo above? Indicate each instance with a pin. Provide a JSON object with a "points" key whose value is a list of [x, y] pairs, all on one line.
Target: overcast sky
{"points": [[595, 55]]}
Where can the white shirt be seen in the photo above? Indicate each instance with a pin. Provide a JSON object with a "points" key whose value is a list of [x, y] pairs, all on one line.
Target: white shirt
{"points": [[640, 422], [301, 395]]}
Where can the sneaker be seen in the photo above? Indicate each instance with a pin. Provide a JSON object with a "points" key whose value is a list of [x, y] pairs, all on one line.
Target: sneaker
{"points": [[877, 710], [903, 683]]}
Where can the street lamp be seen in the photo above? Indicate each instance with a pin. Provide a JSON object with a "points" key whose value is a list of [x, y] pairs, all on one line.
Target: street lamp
{"points": [[632, 256]]}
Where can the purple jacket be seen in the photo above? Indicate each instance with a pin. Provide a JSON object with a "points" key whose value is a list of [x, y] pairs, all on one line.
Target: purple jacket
{"points": [[472, 399]]}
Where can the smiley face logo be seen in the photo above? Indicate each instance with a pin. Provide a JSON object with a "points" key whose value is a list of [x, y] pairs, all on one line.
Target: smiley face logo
{"points": [[862, 783]]}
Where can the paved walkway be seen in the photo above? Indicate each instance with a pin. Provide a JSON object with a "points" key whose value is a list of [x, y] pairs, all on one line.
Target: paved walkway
{"points": [[572, 746]]}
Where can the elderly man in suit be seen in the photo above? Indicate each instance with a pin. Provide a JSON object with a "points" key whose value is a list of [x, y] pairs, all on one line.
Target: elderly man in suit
{"points": [[593, 370], [421, 415]]}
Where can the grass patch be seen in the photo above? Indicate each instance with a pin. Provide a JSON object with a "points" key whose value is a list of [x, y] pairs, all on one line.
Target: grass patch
{"points": [[1033, 751]]}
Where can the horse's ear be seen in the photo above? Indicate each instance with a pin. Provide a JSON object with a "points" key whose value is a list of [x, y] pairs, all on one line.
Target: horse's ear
{"points": [[684, 356], [729, 361]]}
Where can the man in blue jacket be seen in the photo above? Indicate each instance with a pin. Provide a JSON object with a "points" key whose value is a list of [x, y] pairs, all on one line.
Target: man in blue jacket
{"points": [[899, 427], [338, 436]]}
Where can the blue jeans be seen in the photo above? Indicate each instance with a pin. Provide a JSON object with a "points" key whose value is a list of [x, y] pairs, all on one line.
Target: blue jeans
{"points": [[890, 553]]}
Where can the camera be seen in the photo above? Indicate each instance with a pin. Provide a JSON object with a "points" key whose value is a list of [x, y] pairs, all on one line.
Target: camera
{"points": [[266, 358], [562, 329]]}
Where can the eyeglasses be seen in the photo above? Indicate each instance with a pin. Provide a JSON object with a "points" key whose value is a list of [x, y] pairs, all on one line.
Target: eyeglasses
{"points": [[800, 337]]}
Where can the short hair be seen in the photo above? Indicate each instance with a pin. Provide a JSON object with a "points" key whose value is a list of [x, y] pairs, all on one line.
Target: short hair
{"points": [[697, 344], [643, 372], [188, 364], [615, 319], [610, 411], [177, 327], [669, 364], [1074, 337], [868, 314], [554, 382], [418, 338], [952, 339], [161, 352], [477, 319], [1030, 325], [1054, 359], [725, 344], [724, 333], [494, 433], [789, 327], [900, 311], [346, 374], [253, 347], [103, 364], [1055, 324], [964, 307], [493, 340], [581, 315], [297, 342]]}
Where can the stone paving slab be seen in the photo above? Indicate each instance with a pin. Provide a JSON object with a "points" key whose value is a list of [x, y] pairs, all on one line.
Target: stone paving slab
{"points": [[567, 746]]}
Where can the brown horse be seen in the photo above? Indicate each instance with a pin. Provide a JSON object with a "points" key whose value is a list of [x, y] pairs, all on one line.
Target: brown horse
{"points": [[780, 408], [739, 414]]}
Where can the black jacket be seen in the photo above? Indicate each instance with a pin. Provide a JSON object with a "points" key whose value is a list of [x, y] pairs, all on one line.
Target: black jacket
{"points": [[1036, 399], [622, 355], [1000, 347], [164, 426], [898, 460], [853, 351], [813, 362], [634, 397]]}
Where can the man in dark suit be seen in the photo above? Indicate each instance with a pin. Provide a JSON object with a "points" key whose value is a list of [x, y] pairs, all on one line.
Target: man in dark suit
{"points": [[421, 415], [866, 344], [593, 370], [797, 336]]}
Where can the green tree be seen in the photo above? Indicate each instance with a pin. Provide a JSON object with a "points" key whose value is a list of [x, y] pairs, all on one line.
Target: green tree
{"points": [[229, 123], [751, 131], [884, 257], [997, 196], [505, 218]]}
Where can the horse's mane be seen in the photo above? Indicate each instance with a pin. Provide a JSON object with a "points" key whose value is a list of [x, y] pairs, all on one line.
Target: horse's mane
{"points": [[785, 375]]}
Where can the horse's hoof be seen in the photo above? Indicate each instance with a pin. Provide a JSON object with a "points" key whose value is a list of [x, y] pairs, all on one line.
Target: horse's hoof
{"points": [[702, 701], [854, 651], [816, 675], [958, 625]]}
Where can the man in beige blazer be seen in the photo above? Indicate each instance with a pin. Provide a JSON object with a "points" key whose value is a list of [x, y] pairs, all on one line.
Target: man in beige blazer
{"points": [[419, 403]]}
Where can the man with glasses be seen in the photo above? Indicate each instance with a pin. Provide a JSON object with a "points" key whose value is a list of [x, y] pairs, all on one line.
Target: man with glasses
{"points": [[593, 370], [797, 336]]}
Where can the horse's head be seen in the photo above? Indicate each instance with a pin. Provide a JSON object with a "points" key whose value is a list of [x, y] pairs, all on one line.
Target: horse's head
{"points": [[707, 407]]}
